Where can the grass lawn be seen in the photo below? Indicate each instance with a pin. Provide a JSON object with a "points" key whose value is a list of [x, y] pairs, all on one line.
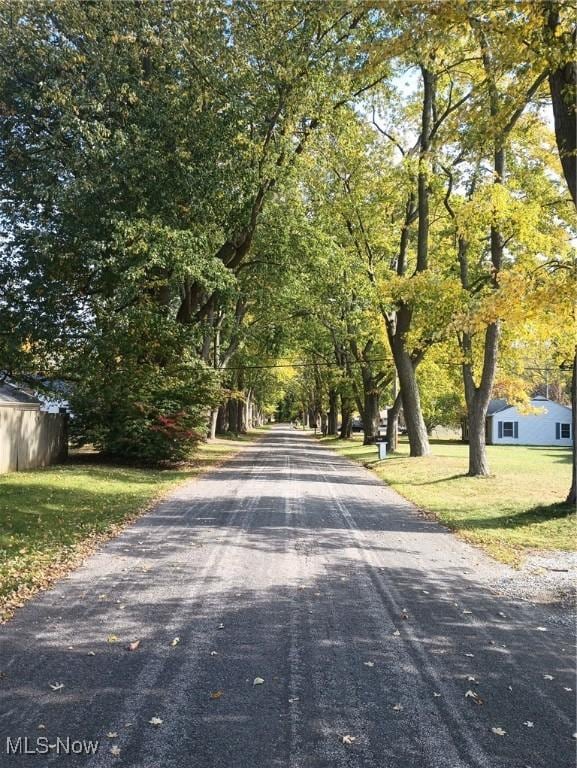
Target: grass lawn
{"points": [[51, 518], [517, 509]]}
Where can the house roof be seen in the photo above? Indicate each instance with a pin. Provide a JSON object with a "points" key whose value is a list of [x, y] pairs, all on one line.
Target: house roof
{"points": [[498, 405], [13, 397]]}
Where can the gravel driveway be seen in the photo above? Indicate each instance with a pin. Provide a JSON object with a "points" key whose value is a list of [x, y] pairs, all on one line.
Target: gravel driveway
{"points": [[292, 611]]}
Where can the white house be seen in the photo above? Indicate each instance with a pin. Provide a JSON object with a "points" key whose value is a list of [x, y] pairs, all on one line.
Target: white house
{"points": [[550, 425]]}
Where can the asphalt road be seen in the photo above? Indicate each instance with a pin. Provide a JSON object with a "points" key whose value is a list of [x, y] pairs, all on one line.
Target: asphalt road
{"points": [[367, 623]]}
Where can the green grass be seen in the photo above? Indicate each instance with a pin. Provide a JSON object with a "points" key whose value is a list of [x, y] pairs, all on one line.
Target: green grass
{"points": [[519, 508], [51, 518]]}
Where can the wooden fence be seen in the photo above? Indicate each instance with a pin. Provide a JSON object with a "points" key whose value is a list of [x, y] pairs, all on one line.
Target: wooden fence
{"points": [[31, 438]]}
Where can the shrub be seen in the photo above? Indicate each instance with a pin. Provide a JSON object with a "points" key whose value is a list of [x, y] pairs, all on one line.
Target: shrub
{"points": [[143, 395]]}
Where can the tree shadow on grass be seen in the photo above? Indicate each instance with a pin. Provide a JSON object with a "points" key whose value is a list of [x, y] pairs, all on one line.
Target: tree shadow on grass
{"points": [[458, 476], [537, 514], [559, 455]]}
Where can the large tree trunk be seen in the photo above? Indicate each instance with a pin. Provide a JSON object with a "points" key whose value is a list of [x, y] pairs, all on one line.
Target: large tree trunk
{"points": [[213, 420], [247, 417], [478, 464], [371, 416], [563, 87], [312, 418], [332, 421], [406, 371], [393, 424], [399, 325], [221, 422], [572, 497], [416, 428], [232, 414], [346, 417], [478, 399], [240, 412]]}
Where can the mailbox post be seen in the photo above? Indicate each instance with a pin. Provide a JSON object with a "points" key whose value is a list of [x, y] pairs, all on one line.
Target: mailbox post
{"points": [[382, 445]]}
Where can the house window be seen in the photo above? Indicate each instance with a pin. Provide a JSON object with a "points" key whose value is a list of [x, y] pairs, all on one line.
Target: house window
{"points": [[563, 431], [509, 429]]}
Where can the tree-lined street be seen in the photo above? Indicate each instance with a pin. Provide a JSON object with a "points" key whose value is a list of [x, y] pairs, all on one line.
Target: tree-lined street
{"points": [[291, 611], [241, 243]]}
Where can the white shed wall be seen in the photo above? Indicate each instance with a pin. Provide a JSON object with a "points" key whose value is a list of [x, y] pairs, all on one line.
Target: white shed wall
{"points": [[30, 438]]}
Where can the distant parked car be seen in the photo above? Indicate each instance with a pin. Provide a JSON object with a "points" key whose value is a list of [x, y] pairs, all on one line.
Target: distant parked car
{"points": [[357, 424]]}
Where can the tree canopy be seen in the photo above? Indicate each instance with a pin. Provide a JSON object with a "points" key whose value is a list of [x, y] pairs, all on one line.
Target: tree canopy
{"points": [[209, 209]]}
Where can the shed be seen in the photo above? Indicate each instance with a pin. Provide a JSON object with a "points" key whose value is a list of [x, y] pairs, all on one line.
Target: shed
{"points": [[29, 438]]}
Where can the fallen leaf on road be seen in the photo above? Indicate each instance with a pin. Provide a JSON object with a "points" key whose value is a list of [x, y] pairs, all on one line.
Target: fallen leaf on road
{"points": [[502, 615], [220, 626], [348, 739], [91, 653], [115, 750], [155, 721], [216, 694], [529, 723], [472, 679], [398, 707], [498, 731], [134, 646], [541, 629], [369, 663], [396, 633], [258, 681], [293, 699], [111, 735], [424, 591], [548, 677], [175, 642], [470, 655], [41, 727], [475, 696], [111, 639], [436, 695], [214, 653], [57, 686], [567, 689], [468, 612]]}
